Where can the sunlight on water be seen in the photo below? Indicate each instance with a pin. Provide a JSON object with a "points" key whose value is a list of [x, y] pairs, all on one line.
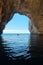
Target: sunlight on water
{"points": [[17, 45], [21, 48]]}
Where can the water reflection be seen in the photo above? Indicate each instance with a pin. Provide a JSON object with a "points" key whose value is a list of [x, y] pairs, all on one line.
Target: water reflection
{"points": [[17, 47], [21, 49], [36, 49], [3, 57]]}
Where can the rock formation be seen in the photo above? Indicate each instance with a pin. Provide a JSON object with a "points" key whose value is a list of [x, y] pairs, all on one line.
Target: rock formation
{"points": [[31, 8]]}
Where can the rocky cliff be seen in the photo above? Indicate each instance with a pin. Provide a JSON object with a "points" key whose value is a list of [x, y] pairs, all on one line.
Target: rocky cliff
{"points": [[31, 8]]}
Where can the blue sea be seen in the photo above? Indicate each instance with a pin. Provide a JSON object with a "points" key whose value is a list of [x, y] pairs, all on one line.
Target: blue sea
{"points": [[21, 48], [17, 45]]}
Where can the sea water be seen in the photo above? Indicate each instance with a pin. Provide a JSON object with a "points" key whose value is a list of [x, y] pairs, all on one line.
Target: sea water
{"points": [[16, 45], [21, 48]]}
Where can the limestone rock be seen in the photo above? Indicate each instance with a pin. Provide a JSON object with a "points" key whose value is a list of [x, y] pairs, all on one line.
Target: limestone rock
{"points": [[31, 8]]}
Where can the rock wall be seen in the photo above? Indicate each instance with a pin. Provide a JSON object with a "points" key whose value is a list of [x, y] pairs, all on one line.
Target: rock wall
{"points": [[31, 8]]}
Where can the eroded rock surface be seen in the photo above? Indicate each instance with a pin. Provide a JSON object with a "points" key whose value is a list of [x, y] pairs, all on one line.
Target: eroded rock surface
{"points": [[31, 8]]}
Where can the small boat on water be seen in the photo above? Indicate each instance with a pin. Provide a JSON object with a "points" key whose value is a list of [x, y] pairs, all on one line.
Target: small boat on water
{"points": [[18, 34]]}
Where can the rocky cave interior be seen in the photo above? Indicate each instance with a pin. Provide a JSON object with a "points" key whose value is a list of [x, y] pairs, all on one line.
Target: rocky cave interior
{"points": [[31, 8]]}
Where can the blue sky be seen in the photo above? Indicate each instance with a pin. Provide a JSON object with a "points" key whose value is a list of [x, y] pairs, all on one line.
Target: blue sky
{"points": [[18, 22]]}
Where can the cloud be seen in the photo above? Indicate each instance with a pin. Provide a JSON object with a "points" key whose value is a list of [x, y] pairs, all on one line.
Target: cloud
{"points": [[16, 31]]}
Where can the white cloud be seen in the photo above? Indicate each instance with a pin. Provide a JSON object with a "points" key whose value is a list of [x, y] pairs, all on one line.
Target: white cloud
{"points": [[16, 31]]}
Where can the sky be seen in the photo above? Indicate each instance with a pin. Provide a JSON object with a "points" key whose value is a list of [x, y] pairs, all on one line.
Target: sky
{"points": [[17, 23]]}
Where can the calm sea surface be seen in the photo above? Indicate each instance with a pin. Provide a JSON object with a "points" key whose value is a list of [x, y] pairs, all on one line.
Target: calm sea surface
{"points": [[21, 49]]}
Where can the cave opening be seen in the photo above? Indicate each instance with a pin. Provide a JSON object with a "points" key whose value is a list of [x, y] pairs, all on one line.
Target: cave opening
{"points": [[18, 24]]}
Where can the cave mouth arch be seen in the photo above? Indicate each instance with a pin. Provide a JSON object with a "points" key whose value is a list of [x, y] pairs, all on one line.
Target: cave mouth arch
{"points": [[19, 23]]}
